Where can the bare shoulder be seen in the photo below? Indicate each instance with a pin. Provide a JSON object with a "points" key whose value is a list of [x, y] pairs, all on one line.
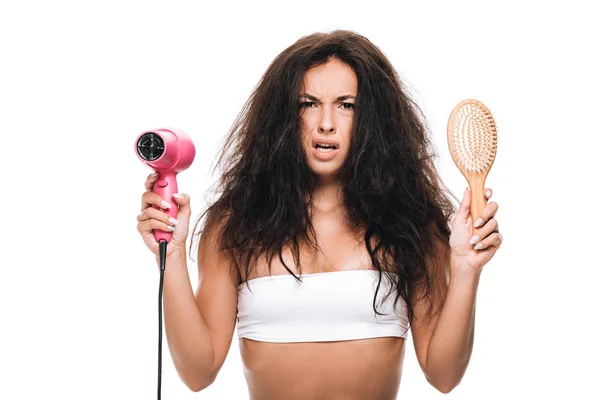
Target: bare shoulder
{"points": [[216, 294], [211, 258]]}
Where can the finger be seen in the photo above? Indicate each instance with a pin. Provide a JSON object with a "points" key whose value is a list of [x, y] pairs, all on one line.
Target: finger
{"points": [[488, 212], [153, 213], [499, 240], [485, 231], [150, 224], [464, 209], [183, 200], [150, 181], [184, 212], [495, 239], [151, 198]]}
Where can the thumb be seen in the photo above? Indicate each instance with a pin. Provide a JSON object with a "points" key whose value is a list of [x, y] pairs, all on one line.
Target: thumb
{"points": [[183, 219], [183, 201], [465, 207]]}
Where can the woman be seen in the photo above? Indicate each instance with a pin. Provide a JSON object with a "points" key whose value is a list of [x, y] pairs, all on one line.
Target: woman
{"points": [[329, 240]]}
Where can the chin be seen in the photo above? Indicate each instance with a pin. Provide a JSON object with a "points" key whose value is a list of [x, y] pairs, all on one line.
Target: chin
{"points": [[322, 172], [329, 169]]}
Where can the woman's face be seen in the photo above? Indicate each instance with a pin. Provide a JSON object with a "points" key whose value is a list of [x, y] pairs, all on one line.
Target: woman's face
{"points": [[326, 113]]}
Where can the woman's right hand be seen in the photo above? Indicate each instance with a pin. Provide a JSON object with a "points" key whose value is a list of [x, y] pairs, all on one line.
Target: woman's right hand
{"points": [[151, 218]]}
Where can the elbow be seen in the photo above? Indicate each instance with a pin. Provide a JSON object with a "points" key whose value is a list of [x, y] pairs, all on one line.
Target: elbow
{"points": [[444, 386], [198, 385], [195, 379], [445, 389]]}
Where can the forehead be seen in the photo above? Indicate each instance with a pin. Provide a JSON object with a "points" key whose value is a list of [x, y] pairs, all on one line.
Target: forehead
{"points": [[330, 79]]}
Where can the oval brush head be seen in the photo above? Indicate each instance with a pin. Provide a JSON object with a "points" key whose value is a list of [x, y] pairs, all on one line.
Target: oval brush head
{"points": [[473, 140]]}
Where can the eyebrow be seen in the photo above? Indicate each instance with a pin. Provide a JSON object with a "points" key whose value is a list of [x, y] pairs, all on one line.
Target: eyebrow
{"points": [[339, 98]]}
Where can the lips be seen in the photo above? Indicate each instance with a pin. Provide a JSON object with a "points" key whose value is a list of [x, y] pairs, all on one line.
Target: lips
{"points": [[329, 142], [324, 155]]}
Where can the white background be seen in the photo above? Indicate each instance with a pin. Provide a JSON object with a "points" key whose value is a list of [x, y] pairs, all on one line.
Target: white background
{"points": [[80, 80]]}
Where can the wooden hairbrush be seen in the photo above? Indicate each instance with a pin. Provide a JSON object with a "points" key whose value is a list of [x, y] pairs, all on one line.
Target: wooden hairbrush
{"points": [[473, 140]]}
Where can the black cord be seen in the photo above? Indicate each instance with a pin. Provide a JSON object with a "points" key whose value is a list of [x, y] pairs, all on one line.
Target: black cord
{"points": [[162, 246]]}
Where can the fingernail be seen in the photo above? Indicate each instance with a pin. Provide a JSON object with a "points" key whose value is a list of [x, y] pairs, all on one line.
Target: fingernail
{"points": [[478, 246], [154, 175], [478, 222], [171, 228], [488, 193], [165, 204], [474, 239], [172, 221], [177, 196]]}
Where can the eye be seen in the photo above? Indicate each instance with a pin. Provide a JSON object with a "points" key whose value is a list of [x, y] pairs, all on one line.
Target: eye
{"points": [[306, 104], [348, 106]]}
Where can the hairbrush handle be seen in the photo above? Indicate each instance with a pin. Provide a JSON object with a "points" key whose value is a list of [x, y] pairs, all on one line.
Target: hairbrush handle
{"points": [[478, 200], [472, 141], [166, 186]]}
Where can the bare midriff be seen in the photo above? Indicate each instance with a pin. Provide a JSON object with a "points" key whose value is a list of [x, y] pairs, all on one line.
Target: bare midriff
{"points": [[365, 369]]}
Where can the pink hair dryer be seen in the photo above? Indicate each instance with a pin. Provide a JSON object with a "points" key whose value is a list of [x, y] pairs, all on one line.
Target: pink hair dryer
{"points": [[168, 151]]}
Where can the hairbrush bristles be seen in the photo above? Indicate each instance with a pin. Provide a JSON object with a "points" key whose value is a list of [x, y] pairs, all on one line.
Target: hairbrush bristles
{"points": [[473, 141], [473, 137]]}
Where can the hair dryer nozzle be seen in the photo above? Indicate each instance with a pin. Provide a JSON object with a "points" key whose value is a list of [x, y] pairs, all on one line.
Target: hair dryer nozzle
{"points": [[150, 146], [165, 149], [168, 151]]}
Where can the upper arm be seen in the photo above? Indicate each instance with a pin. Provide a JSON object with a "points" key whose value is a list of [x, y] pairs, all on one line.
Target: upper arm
{"points": [[216, 295], [438, 263]]}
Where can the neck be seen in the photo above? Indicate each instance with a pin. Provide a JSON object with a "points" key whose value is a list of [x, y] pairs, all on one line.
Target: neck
{"points": [[327, 196]]}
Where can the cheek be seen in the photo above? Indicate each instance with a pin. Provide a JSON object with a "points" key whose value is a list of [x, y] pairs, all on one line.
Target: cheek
{"points": [[306, 121], [305, 132]]}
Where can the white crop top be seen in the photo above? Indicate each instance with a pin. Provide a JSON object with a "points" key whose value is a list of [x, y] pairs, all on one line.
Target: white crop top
{"points": [[327, 306]]}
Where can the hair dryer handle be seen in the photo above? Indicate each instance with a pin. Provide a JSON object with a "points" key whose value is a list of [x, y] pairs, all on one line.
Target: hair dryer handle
{"points": [[166, 186]]}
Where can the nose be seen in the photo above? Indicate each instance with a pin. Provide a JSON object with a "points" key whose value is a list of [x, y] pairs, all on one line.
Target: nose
{"points": [[327, 123], [326, 126], [323, 129]]}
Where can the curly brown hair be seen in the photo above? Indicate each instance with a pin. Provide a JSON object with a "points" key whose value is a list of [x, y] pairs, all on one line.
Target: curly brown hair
{"points": [[391, 188]]}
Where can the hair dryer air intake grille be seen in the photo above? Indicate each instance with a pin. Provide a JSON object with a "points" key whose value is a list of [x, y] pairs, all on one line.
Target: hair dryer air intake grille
{"points": [[150, 146]]}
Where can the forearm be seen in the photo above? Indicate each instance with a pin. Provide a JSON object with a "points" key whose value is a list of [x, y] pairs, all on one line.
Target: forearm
{"points": [[187, 334], [451, 343]]}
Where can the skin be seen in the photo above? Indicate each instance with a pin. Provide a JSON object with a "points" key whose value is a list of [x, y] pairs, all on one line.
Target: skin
{"points": [[329, 370], [355, 369], [326, 113]]}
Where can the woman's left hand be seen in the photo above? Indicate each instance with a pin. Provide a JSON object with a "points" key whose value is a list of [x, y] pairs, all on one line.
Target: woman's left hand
{"points": [[469, 257]]}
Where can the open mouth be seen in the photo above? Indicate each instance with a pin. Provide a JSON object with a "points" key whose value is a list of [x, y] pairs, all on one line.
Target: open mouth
{"points": [[325, 151], [325, 147]]}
